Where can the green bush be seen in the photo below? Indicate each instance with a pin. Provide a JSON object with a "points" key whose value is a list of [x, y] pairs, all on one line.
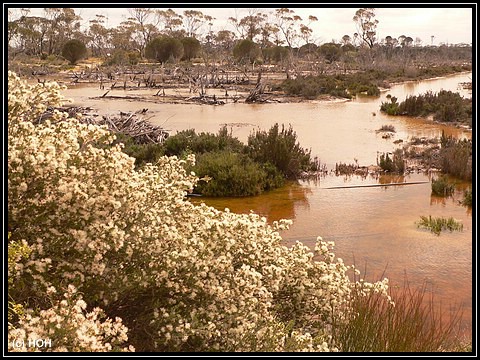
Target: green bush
{"points": [[191, 48], [391, 108], [339, 85], [275, 54], [330, 51], [246, 51], [396, 164], [164, 48], [280, 148], [74, 50], [442, 187], [446, 106], [456, 157], [231, 174], [190, 141], [122, 57], [143, 153]]}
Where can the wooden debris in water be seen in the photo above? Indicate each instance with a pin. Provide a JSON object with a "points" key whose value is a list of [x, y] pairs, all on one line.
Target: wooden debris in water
{"points": [[140, 129], [131, 124]]}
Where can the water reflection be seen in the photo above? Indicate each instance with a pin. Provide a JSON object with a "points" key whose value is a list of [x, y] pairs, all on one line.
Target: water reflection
{"points": [[391, 179], [438, 200], [275, 205]]}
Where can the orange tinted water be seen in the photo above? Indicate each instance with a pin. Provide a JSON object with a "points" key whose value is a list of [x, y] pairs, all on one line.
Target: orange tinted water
{"points": [[372, 226]]}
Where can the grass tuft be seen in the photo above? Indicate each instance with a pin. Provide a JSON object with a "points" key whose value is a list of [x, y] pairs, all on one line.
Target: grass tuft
{"points": [[414, 324], [436, 225]]}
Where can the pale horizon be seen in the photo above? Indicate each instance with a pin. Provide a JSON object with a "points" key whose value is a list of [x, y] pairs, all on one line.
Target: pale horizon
{"points": [[453, 25]]}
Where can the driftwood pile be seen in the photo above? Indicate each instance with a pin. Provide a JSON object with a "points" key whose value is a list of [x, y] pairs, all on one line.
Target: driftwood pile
{"points": [[140, 129], [132, 124]]}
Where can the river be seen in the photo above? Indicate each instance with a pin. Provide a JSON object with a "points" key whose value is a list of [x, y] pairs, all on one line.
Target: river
{"points": [[373, 227]]}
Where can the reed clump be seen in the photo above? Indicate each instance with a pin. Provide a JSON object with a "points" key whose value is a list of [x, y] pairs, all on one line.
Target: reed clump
{"points": [[467, 198], [442, 187], [437, 224]]}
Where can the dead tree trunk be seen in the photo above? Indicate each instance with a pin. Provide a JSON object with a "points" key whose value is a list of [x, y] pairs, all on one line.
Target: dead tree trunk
{"points": [[256, 93]]}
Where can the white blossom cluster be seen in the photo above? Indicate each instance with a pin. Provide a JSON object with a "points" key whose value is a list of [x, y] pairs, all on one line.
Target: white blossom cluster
{"points": [[65, 327], [182, 277]]}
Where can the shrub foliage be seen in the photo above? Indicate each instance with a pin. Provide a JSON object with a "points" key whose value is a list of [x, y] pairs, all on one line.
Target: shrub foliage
{"points": [[74, 50], [281, 148], [164, 48], [446, 106]]}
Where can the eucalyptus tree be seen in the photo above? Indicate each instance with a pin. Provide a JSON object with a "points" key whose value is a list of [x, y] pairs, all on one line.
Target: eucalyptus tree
{"points": [[99, 36], [222, 46], [306, 31], [269, 36], [63, 24], [122, 36], [146, 26], [224, 39], [251, 25], [37, 35], [28, 34], [389, 44], [366, 25], [169, 22], [193, 20], [288, 23], [14, 24]]}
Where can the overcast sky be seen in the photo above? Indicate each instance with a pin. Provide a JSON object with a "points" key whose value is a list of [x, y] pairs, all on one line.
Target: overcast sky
{"points": [[451, 25]]}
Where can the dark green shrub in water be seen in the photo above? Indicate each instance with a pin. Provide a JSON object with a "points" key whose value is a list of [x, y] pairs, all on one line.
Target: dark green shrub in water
{"points": [[312, 86], [456, 157], [391, 108], [232, 174], [390, 128], [442, 187], [280, 148], [190, 141], [395, 164], [446, 106]]}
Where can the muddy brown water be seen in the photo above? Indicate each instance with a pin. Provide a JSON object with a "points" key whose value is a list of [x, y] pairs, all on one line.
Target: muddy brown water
{"points": [[373, 227]]}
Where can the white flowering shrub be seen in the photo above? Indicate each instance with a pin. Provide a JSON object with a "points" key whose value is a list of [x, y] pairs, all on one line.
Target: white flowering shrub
{"points": [[65, 327], [182, 277]]}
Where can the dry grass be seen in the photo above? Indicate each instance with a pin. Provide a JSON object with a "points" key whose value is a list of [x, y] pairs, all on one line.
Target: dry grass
{"points": [[414, 324]]}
